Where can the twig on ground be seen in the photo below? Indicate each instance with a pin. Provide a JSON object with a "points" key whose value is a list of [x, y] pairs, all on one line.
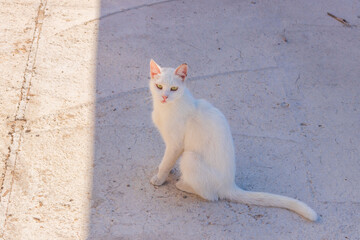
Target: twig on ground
{"points": [[343, 21]]}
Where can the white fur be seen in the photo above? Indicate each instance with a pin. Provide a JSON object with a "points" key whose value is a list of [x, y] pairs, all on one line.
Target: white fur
{"points": [[199, 133]]}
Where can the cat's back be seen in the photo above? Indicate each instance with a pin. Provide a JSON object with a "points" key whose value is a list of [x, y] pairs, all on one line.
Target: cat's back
{"points": [[208, 113], [208, 134], [208, 124]]}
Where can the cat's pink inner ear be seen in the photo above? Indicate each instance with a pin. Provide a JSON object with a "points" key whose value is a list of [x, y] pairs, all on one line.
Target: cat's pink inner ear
{"points": [[154, 69], [181, 71]]}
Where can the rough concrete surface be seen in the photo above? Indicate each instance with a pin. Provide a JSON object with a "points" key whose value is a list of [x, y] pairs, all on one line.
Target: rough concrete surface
{"points": [[78, 147]]}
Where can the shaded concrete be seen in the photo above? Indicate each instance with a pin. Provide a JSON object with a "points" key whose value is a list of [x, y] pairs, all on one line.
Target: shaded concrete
{"points": [[284, 74]]}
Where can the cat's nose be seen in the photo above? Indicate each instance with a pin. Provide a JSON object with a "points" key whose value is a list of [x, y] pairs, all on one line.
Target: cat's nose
{"points": [[164, 97]]}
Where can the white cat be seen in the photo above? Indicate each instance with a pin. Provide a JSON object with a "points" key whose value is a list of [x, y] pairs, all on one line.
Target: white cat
{"points": [[198, 132]]}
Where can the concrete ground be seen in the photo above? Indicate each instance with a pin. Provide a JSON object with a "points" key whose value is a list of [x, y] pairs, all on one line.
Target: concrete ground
{"points": [[78, 147]]}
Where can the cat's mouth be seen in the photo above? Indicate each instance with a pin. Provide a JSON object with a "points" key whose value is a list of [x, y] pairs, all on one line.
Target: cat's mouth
{"points": [[163, 101]]}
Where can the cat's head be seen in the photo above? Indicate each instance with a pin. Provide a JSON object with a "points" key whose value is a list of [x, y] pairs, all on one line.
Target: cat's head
{"points": [[167, 84]]}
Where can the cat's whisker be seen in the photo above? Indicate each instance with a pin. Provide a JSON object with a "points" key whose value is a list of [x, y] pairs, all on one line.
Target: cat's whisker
{"points": [[148, 99]]}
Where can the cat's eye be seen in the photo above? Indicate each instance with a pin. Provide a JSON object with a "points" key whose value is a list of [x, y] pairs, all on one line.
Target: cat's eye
{"points": [[159, 86], [174, 88]]}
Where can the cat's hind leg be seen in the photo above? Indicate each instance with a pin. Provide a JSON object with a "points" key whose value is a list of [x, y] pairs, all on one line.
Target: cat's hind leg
{"points": [[183, 186], [197, 176]]}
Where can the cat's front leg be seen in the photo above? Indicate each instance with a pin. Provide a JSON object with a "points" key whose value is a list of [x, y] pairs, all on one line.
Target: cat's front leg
{"points": [[167, 163]]}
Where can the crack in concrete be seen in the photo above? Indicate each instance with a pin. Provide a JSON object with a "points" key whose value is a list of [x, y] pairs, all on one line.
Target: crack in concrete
{"points": [[18, 126], [196, 78], [132, 8], [266, 137], [138, 91], [190, 79], [341, 202], [115, 13], [300, 117], [60, 112]]}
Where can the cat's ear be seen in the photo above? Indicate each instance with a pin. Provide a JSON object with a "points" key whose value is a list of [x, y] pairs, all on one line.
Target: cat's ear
{"points": [[181, 71], [154, 69]]}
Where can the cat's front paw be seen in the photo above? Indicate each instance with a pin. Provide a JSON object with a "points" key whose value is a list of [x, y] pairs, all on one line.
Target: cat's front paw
{"points": [[156, 181]]}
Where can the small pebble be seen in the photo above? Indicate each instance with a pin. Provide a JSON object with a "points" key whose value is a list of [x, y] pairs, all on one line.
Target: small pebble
{"points": [[284, 105]]}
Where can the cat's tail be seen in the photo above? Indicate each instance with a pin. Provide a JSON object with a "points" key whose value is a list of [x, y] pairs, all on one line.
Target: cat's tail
{"points": [[271, 200]]}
